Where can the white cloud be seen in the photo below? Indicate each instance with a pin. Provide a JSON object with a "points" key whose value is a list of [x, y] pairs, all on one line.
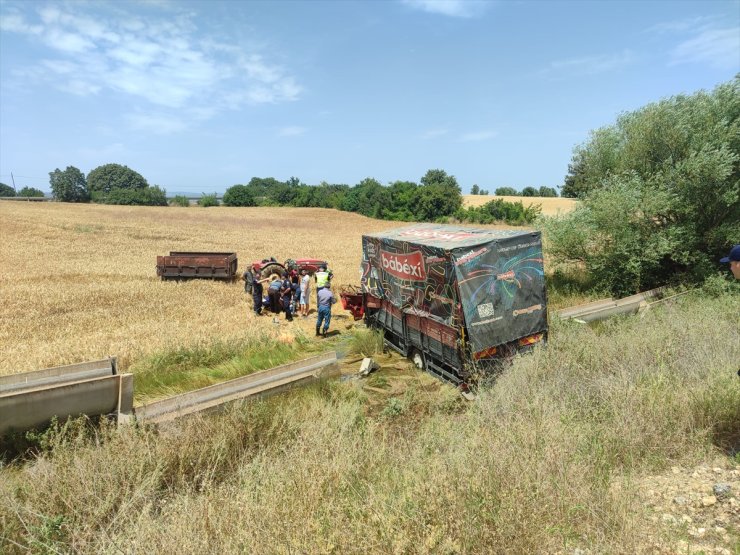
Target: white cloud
{"points": [[719, 48], [157, 123], [291, 131], [451, 8], [434, 133], [161, 62], [702, 40], [589, 65], [477, 136]]}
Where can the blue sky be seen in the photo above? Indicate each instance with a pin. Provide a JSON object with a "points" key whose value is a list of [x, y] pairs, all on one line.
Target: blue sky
{"points": [[199, 96]]}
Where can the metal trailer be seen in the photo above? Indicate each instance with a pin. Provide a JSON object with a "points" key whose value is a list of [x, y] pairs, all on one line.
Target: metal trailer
{"points": [[186, 265], [456, 300]]}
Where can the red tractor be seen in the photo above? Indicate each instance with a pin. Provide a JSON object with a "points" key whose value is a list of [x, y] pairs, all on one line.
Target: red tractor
{"points": [[266, 267]]}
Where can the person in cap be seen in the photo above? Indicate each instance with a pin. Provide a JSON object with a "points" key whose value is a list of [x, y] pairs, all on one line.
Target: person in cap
{"points": [[323, 279], [734, 259], [326, 299]]}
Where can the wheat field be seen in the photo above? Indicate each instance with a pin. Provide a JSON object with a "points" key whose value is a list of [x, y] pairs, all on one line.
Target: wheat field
{"points": [[550, 206], [78, 282]]}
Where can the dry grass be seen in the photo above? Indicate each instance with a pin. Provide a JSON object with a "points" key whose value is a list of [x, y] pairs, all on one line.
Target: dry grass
{"points": [[543, 463], [550, 206], [78, 282]]}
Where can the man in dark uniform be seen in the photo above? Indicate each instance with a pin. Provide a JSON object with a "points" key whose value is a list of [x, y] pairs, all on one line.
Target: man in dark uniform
{"points": [[257, 292], [286, 291]]}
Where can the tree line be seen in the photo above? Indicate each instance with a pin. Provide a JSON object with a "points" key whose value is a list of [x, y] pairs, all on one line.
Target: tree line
{"points": [[436, 198], [8, 191], [543, 191], [106, 184]]}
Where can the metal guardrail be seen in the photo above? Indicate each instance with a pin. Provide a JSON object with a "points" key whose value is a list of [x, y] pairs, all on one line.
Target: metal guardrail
{"points": [[259, 383], [95, 388], [90, 388], [606, 308], [59, 375]]}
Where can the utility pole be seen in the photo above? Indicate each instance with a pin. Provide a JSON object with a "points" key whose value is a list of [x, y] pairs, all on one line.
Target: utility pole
{"points": [[13, 179]]}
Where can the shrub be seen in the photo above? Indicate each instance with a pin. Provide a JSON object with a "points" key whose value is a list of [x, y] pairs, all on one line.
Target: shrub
{"points": [[208, 200], [180, 200], [239, 195], [506, 191], [30, 192], [6, 190], [682, 156], [149, 196]]}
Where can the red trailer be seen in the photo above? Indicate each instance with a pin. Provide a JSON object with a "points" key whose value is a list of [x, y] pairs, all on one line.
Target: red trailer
{"points": [[210, 265]]}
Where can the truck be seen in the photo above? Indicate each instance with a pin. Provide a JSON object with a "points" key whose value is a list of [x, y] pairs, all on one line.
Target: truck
{"points": [[455, 300], [211, 265]]}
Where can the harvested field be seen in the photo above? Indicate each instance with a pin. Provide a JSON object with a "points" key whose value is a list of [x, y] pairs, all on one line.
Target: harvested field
{"points": [[78, 282], [550, 206]]}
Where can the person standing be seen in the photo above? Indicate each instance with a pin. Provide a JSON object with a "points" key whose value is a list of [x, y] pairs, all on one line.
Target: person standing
{"points": [[256, 288], [273, 293], [248, 278], [323, 279], [326, 299], [286, 291], [305, 292], [734, 259]]}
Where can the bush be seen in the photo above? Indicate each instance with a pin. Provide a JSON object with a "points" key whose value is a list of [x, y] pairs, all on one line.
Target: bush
{"points": [[30, 192], [208, 200], [180, 200], [6, 190], [619, 236], [507, 192], [680, 155], [149, 196], [239, 195]]}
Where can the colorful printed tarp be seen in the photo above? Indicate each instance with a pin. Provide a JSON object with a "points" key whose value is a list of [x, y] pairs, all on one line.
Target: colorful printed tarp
{"points": [[491, 282]]}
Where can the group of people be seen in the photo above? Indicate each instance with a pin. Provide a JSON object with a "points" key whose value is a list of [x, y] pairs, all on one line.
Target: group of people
{"points": [[291, 293]]}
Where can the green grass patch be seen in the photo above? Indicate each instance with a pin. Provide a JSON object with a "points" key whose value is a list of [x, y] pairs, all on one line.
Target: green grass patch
{"points": [[186, 368], [366, 342]]}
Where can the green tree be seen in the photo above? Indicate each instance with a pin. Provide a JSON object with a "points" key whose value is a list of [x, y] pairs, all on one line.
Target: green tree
{"points": [[529, 192], [683, 151], [30, 192], [148, 196], [239, 195], [484, 192], [69, 185], [547, 192], [180, 200], [6, 190], [439, 196], [104, 179], [506, 192], [368, 198], [403, 200], [475, 190]]}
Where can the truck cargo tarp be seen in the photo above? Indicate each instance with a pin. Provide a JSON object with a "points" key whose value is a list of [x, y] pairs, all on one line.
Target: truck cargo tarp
{"points": [[490, 281]]}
